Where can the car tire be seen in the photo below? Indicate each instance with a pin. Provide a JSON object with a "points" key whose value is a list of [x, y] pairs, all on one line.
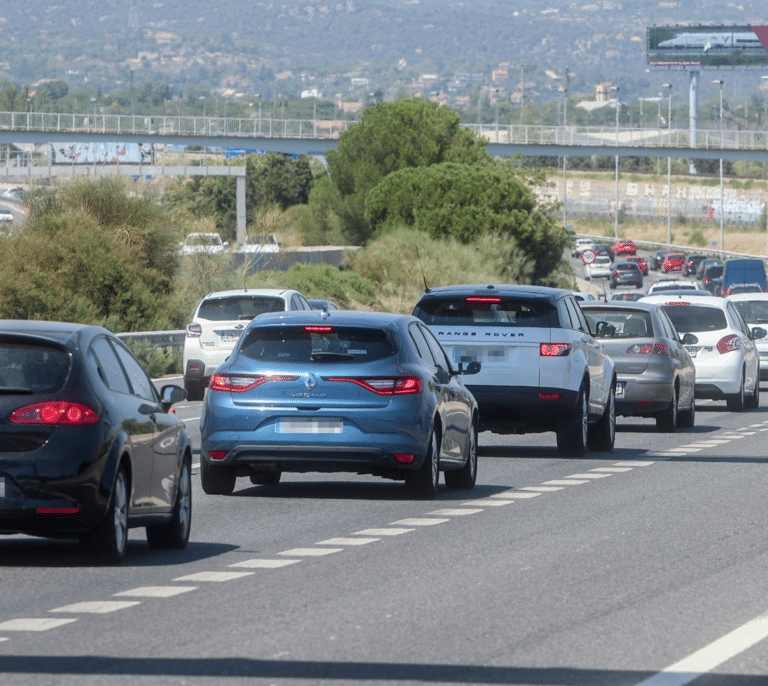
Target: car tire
{"points": [[687, 418], [735, 402], [175, 533], [466, 477], [752, 401], [601, 436], [107, 542], [195, 389], [572, 430], [219, 480], [422, 482], [265, 478], [667, 419]]}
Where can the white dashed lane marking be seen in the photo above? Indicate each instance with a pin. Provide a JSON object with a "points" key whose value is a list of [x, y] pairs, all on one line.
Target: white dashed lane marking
{"points": [[348, 541], [310, 552], [420, 521], [585, 476], [550, 489], [612, 470], [512, 495], [156, 591], [214, 577], [459, 511], [34, 624], [394, 531], [264, 564], [491, 502], [96, 607], [568, 482]]}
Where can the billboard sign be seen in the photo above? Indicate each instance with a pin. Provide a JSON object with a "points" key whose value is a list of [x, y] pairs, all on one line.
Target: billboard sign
{"points": [[707, 46], [101, 153]]}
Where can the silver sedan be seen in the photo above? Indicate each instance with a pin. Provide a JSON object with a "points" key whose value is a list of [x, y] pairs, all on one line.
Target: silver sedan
{"points": [[655, 374]]}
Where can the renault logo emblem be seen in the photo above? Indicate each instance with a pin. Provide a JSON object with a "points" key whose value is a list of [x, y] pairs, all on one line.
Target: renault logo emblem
{"points": [[310, 382]]}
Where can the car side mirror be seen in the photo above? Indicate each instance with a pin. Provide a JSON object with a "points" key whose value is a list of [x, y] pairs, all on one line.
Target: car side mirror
{"points": [[171, 394], [758, 332], [690, 339], [468, 368]]}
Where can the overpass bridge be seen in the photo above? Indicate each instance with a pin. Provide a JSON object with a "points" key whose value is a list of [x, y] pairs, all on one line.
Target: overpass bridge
{"points": [[316, 137]]}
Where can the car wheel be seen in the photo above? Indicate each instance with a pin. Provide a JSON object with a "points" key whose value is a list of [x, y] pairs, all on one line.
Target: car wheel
{"points": [[572, 430], [602, 435], [465, 477], [108, 540], [752, 401], [687, 418], [219, 480], [175, 534], [666, 420], [422, 482], [735, 402], [195, 389], [265, 478]]}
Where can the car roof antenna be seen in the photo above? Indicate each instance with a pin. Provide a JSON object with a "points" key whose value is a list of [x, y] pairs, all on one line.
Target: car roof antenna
{"points": [[421, 266]]}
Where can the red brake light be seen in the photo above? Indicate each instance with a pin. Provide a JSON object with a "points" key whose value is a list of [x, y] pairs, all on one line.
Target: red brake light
{"points": [[728, 344], [394, 385], [677, 302], [483, 299], [194, 330], [555, 349], [217, 454], [648, 349], [238, 383], [318, 329], [55, 413]]}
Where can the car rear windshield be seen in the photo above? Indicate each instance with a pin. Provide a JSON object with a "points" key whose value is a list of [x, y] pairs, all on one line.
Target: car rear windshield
{"points": [[754, 311], [487, 311], [623, 324], [239, 307], [691, 318], [32, 368], [316, 343]]}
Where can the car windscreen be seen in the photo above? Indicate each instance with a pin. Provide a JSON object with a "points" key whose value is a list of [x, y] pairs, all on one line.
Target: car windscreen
{"points": [[487, 311], [714, 271], [753, 311], [26, 368], [316, 343], [238, 307], [621, 323], [692, 318]]}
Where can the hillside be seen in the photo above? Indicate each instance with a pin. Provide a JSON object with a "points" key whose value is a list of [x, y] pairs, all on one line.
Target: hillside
{"points": [[284, 47]]}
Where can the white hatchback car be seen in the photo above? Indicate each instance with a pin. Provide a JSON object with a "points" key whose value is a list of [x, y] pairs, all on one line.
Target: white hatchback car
{"points": [[754, 309], [216, 326], [541, 368], [260, 243], [725, 354], [601, 268]]}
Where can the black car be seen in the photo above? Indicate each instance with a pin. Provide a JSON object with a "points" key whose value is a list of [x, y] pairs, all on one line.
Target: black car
{"points": [[626, 274], [691, 264], [604, 249], [88, 447], [657, 259], [712, 280]]}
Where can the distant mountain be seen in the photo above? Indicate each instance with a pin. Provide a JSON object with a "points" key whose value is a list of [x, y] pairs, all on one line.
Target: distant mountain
{"points": [[287, 46]]}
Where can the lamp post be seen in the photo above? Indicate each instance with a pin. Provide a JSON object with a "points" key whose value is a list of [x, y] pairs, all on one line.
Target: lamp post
{"points": [[720, 82], [765, 117], [669, 164], [565, 158], [616, 206]]}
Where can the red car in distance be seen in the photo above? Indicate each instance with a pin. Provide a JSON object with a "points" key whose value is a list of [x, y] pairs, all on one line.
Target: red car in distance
{"points": [[673, 262], [624, 248], [640, 262]]}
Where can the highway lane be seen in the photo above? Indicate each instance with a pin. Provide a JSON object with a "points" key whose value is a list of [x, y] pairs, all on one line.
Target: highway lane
{"points": [[605, 570]]}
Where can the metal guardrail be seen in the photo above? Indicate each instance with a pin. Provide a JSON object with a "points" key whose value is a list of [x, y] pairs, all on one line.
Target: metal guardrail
{"points": [[260, 127], [165, 339]]}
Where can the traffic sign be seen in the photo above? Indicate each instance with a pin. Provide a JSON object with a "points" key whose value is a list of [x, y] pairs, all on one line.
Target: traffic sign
{"points": [[588, 256]]}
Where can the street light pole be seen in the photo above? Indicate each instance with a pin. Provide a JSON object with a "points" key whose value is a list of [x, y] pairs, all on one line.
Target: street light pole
{"points": [[565, 158], [616, 206], [720, 82], [765, 123], [669, 165]]}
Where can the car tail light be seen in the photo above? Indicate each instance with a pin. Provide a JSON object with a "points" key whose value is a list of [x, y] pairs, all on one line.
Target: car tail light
{"points": [[390, 385], [648, 349], [728, 344], [217, 454], [57, 510], [677, 303], [238, 383], [318, 329], [555, 349], [549, 396], [55, 413], [404, 458], [194, 330]]}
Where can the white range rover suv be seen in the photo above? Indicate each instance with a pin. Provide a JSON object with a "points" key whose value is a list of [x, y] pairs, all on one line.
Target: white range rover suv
{"points": [[217, 324], [541, 368]]}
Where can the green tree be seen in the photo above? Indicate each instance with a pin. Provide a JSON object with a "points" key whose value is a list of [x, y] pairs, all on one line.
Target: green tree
{"points": [[90, 253], [466, 202], [390, 137]]}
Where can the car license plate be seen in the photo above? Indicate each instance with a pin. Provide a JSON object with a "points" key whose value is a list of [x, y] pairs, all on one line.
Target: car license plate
{"points": [[620, 389], [691, 351], [230, 335], [310, 426]]}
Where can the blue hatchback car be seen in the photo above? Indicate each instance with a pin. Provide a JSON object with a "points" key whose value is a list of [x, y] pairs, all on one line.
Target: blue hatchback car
{"points": [[339, 391]]}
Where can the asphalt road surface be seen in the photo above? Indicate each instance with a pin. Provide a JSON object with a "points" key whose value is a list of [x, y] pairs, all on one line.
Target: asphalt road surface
{"points": [[647, 565]]}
